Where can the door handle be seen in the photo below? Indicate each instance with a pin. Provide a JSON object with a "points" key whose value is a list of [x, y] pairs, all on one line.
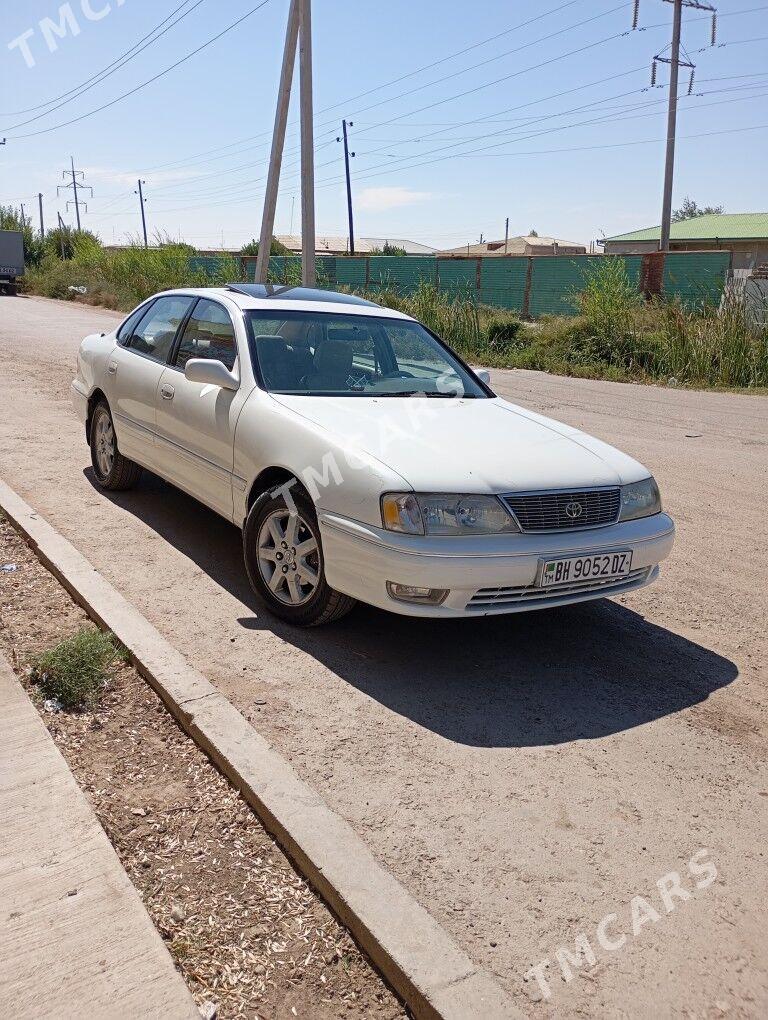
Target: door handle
{"points": [[167, 392], [112, 367]]}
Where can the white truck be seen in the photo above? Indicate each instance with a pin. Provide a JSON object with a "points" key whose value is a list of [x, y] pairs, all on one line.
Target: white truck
{"points": [[11, 260]]}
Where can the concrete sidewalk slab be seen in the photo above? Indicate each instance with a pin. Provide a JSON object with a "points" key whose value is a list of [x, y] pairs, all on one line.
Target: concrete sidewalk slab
{"points": [[75, 939]]}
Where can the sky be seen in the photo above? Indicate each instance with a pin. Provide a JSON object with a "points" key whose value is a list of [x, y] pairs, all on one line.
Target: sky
{"points": [[463, 114]]}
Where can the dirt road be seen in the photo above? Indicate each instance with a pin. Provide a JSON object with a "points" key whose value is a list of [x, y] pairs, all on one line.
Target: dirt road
{"points": [[525, 777]]}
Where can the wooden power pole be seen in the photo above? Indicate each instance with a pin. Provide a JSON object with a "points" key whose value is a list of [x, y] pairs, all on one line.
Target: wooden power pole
{"points": [[298, 32]]}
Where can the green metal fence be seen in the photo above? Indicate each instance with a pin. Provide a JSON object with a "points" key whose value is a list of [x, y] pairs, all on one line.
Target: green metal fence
{"points": [[530, 285]]}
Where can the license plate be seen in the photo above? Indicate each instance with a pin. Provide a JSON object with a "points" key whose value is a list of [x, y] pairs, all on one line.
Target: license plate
{"points": [[597, 567]]}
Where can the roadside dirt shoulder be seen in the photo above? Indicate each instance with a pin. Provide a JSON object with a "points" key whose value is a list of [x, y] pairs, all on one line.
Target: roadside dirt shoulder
{"points": [[248, 934]]}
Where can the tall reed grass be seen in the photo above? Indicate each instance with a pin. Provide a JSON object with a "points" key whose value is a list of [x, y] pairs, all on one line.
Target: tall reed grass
{"points": [[615, 335]]}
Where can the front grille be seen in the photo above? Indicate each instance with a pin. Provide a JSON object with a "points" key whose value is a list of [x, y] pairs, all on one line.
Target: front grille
{"points": [[487, 598], [564, 511]]}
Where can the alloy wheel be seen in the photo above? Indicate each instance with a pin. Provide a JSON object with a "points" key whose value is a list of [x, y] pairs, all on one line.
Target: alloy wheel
{"points": [[105, 444], [288, 557]]}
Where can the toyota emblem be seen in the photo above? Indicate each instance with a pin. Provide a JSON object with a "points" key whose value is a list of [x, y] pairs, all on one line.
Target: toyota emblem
{"points": [[574, 510]]}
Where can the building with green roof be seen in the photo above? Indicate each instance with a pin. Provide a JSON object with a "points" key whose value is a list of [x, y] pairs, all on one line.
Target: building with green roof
{"points": [[745, 235]]}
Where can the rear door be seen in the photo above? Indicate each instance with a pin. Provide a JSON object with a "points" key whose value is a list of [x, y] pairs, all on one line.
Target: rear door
{"points": [[134, 369], [196, 422]]}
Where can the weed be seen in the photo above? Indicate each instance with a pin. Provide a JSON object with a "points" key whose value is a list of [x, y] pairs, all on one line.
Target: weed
{"points": [[75, 671]]}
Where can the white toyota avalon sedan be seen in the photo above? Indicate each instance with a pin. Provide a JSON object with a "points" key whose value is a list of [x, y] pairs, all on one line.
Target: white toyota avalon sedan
{"points": [[362, 458]]}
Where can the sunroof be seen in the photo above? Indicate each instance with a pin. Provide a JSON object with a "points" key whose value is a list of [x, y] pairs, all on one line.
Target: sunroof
{"points": [[268, 290]]}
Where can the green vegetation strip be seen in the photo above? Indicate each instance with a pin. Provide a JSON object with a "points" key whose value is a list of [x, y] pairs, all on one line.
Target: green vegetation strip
{"points": [[614, 334]]}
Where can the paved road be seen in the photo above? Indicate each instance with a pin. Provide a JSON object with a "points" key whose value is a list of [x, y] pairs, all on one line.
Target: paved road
{"points": [[523, 776]]}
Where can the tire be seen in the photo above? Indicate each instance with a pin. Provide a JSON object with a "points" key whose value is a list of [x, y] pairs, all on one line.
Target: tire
{"points": [[113, 471], [291, 584]]}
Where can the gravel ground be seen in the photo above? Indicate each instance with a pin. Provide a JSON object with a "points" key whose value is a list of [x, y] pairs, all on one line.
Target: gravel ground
{"points": [[522, 776], [247, 933]]}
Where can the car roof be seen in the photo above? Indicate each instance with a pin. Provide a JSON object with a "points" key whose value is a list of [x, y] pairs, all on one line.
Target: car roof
{"points": [[279, 297]]}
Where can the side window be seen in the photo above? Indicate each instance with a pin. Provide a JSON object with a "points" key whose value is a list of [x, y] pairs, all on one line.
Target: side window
{"points": [[155, 333], [208, 334], [125, 332]]}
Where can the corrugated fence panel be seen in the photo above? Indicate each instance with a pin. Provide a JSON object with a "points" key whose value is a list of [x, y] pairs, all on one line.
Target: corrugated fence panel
{"points": [[208, 264], [696, 277], [458, 276], [404, 274], [555, 281], [351, 272], [502, 282]]}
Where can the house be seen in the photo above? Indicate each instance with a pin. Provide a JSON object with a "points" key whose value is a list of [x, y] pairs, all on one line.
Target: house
{"points": [[526, 244], [330, 245], [743, 234]]}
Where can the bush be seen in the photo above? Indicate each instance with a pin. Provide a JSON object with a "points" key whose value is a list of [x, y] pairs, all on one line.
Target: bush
{"points": [[504, 333], [389, 250], [63, 242], [275, 248], [75, 671]]}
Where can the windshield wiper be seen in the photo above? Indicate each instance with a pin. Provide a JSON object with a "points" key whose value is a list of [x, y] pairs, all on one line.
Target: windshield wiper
{"points": [[412, 393]]}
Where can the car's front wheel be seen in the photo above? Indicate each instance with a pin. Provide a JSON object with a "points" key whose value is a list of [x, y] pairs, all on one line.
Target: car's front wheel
{"points": [[284, 559], [113, 471]]}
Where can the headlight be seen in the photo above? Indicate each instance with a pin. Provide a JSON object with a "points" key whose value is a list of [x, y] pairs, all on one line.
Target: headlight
{"points": [[445, 514], [640, 499]]}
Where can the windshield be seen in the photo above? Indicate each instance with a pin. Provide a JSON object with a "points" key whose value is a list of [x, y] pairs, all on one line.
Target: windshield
{"points": [[327, 354]]}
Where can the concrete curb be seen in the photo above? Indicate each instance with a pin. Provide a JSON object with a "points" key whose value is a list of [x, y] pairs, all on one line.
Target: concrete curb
{"points": [[417, 956]]}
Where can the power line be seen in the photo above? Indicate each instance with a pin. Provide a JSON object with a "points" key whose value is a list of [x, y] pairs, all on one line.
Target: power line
{"points": [[455, 74], [451, 56], [514, 74], [378, 88], [149, 81], [192, 159], [102, 75], [482, 152]]}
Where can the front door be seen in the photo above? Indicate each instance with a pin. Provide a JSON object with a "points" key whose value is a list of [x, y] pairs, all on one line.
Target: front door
{"points": [[196, 422], [134, 369]]}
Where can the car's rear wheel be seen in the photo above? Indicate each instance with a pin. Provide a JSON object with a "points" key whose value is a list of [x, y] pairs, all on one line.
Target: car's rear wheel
{"points": [[113, 471], [284, 559]]}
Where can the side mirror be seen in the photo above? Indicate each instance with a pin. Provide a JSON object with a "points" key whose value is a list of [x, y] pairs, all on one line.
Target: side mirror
{"points": [[483, 375], [210, 373]]}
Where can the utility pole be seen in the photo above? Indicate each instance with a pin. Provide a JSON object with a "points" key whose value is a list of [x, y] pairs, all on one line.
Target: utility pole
{"points": [[278, 141], [142, 200], [347, 154], [298, 31], [308, 270], [62, 231], [669, 166], [675, 63], [506, 235], [74, 174], [23, 217], [40, 206]]}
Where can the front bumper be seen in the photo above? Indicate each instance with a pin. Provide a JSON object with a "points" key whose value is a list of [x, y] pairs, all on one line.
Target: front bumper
{"points": [[79, 395], [485, 575]]}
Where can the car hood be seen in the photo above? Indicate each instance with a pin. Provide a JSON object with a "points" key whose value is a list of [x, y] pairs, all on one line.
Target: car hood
{"points": [[452, 445]]}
